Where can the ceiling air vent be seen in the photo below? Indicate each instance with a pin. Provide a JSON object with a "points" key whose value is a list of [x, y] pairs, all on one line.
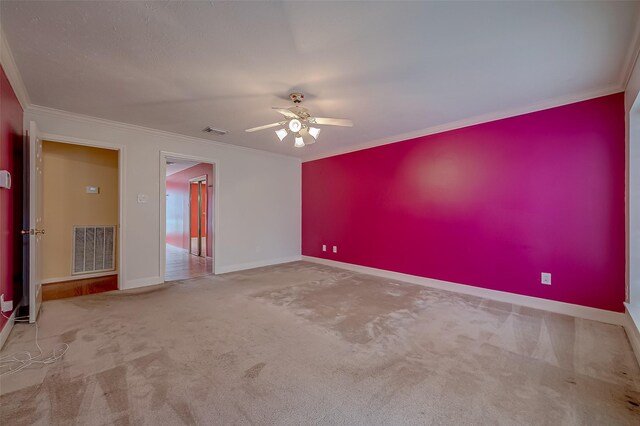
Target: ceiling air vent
{"points": [[218, 132]]}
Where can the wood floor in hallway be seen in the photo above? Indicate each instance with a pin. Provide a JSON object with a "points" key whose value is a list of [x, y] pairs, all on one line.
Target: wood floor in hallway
{"points": [[181, 265]]}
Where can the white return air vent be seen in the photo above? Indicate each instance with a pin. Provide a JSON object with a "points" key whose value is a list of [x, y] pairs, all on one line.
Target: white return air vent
{"points": [[93, 249]]}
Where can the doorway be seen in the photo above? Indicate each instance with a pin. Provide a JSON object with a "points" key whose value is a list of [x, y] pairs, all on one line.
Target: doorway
{"points": [[189, 216], [71, 181], [198, 216], [79, 197]]}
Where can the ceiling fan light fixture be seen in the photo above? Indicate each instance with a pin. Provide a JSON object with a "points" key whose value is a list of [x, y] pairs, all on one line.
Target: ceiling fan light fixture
{"points": [[295, 125], [314, 131], [282, 133], [299, 122]]}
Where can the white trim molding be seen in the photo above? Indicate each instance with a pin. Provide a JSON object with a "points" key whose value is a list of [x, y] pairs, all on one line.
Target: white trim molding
{"points": [[6, 330], [38, 109], [259, 264], [142, 282], [578, 311], [632, 327], [12, 72], [472, 121]]}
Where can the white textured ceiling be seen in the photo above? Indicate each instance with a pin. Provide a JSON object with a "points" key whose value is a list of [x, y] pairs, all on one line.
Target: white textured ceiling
{"points": [[391, 67]]}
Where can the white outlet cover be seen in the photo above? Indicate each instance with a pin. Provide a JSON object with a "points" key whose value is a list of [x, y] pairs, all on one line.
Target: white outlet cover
{"points": [[545, 278], [5, 179], [335, 249], [142, 198], [324, 247], [5, 306]]}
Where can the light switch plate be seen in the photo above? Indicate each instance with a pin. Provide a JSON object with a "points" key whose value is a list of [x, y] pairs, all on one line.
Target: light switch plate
{"points": [[545, 278], [324, 247], [335, 249]]}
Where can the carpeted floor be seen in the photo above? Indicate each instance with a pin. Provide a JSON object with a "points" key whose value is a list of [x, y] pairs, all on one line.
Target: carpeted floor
{"points": [[307, 344]]}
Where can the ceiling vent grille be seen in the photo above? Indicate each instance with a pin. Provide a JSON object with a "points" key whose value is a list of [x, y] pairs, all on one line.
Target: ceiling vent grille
{"points": [[215, 131]]}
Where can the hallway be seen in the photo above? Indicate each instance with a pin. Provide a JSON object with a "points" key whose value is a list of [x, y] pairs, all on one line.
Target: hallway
{"points": [[181, 265]]}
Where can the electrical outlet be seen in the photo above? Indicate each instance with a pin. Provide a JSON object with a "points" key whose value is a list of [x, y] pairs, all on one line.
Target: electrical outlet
{"points": [[335, 249], [5, 305], [545, 278], [324, 247]]}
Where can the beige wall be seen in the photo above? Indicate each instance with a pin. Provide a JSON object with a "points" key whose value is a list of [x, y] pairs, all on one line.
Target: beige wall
{"points": [[68, 170]]}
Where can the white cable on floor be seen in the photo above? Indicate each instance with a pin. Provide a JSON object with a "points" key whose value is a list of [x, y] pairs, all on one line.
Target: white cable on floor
{"points": [[16, 362]]}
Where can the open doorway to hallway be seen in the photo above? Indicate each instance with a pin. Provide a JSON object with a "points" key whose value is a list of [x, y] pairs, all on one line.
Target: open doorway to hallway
{"points": [[189, 219]]}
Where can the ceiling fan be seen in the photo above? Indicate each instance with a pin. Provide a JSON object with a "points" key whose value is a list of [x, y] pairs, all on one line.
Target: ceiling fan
{"points": [[300, 123]]}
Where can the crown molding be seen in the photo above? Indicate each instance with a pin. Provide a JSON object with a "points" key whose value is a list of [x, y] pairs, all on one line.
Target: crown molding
{"points": [[8, 64], [472, 121], [11, 70], [38, 109]]}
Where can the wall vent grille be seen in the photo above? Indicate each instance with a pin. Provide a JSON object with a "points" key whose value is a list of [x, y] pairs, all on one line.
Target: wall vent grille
{"points": [[93, 249]]}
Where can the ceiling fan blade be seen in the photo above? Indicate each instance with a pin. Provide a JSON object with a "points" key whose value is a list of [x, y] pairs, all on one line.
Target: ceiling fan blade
{"points": [[331, 121], [286, 112], [266, 126]]}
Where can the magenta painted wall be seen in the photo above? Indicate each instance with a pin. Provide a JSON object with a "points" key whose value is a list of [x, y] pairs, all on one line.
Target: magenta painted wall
{"points": [[178, 205], [10, 138], [491, 205]]}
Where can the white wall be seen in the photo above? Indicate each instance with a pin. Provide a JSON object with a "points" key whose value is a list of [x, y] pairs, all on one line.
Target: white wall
{"points": [[259, 198], [632, 109], [633, 215]]}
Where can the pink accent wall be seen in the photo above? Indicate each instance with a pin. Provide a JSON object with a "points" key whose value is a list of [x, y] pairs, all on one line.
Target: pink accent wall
{"points": [[10, 140], [178, 205], [491, 205]]}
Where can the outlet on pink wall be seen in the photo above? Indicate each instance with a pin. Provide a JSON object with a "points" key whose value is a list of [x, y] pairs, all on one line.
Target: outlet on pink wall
{"points": [[491, 205]]}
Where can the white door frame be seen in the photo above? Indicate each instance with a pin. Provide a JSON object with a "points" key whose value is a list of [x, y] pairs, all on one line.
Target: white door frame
{"points": [[121, 232], [163, 205]]}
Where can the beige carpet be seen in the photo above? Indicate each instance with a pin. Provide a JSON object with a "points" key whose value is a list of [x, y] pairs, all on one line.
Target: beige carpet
{"points": [[307, 344]]}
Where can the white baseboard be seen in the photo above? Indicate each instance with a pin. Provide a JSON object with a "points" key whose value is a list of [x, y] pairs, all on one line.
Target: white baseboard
{"points": [[632, 327], [4, 333], [142, 282], [579, 311], [252, 265], [78, 277]]}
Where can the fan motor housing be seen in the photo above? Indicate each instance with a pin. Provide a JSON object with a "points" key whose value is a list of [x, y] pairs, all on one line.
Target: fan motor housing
{"points": [[296, 97]]}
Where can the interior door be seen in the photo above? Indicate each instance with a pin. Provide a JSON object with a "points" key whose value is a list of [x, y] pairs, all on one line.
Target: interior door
{"points": [[198, 217], [194, 223], [203, 218], [35, 219]]}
